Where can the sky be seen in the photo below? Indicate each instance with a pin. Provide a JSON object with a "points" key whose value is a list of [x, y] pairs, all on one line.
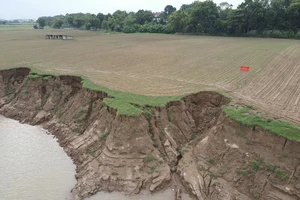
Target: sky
{"points": [[32, 9]]}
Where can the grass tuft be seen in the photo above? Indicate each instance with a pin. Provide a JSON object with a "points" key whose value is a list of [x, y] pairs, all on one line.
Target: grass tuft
{"points": [[256, 165], [211, 161], [47, 78], [280, 174], [32, 76], [149, 159], [244, 172], [104, 136]]}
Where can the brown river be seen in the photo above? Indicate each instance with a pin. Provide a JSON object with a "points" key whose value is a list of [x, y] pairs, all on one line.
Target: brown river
{"points": [[34, 167]]}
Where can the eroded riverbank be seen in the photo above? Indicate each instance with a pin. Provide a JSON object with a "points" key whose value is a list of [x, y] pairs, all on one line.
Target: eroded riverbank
{"points": [[33, 166], [188, 144]]}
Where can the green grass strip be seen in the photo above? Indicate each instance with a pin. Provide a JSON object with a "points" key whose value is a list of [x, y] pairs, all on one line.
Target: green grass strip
{"points": [[126, 103], [277, 127]]}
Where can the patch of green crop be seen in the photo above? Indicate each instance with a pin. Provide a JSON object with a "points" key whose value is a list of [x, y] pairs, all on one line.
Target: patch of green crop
{"points": [[277, 127]]}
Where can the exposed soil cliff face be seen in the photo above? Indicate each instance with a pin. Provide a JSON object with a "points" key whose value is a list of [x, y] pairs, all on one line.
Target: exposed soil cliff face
{"points": [[190, 140]]}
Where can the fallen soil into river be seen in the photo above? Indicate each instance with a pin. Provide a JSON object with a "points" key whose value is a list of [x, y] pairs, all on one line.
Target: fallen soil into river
{"points": [[189, 144]]}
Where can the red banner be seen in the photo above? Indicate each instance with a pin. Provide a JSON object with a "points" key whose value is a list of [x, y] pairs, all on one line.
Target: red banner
{"points": [[244, 68]]}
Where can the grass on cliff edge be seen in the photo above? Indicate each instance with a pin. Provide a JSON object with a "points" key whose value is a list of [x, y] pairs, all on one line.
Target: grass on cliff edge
{"points": [[133, 105], [278, 127], [125, 103]]}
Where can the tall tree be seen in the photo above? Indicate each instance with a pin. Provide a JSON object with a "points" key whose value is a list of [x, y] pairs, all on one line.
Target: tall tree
{"points": [[57, 23], [41, 21], [293, 12], [70, 20], [276, 15], [93, 22], [79, 21], [169, 9], [254, 14], [204, 16], [104, 24], [225, 9], [186, 6], [236, 22], [130, 20], [178, 22], [143, 16], [101, 17]]}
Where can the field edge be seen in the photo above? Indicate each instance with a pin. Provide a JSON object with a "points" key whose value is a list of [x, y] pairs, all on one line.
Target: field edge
{"points": [[134, 105]]}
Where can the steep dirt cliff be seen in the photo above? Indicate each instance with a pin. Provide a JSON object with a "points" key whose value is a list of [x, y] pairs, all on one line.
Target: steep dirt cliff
{"points": [[188, 144]]}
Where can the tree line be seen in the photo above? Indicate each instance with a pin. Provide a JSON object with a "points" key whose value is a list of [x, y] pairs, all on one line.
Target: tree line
{"points": [[15, 21], [257, 18]]}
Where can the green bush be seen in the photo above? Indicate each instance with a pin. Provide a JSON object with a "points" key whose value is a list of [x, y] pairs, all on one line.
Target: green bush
{"points": [[153, 28], [271, 167], [211, 161], [280, 174], [255, 165], [149, 159]]}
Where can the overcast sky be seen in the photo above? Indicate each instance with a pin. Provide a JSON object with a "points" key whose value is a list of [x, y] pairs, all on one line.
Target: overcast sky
{"points": [[19, 9]]}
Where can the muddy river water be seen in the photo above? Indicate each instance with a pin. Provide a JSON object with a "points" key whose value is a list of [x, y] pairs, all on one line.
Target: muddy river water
{"points": [[33, 166]]}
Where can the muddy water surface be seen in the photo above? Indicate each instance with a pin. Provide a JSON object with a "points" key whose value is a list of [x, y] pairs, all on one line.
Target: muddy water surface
{"points": [[32, 164], [165, 195]]}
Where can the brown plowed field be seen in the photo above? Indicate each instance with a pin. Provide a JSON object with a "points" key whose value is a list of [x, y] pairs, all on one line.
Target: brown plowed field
{"points": [[277, 86], [155, 64]]}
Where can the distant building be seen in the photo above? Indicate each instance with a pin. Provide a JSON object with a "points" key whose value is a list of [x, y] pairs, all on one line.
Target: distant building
{"points": [[62, 37], [156, 17]]}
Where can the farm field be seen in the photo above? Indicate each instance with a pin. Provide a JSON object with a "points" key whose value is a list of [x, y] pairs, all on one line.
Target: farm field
{"points": [[166, 65]]}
